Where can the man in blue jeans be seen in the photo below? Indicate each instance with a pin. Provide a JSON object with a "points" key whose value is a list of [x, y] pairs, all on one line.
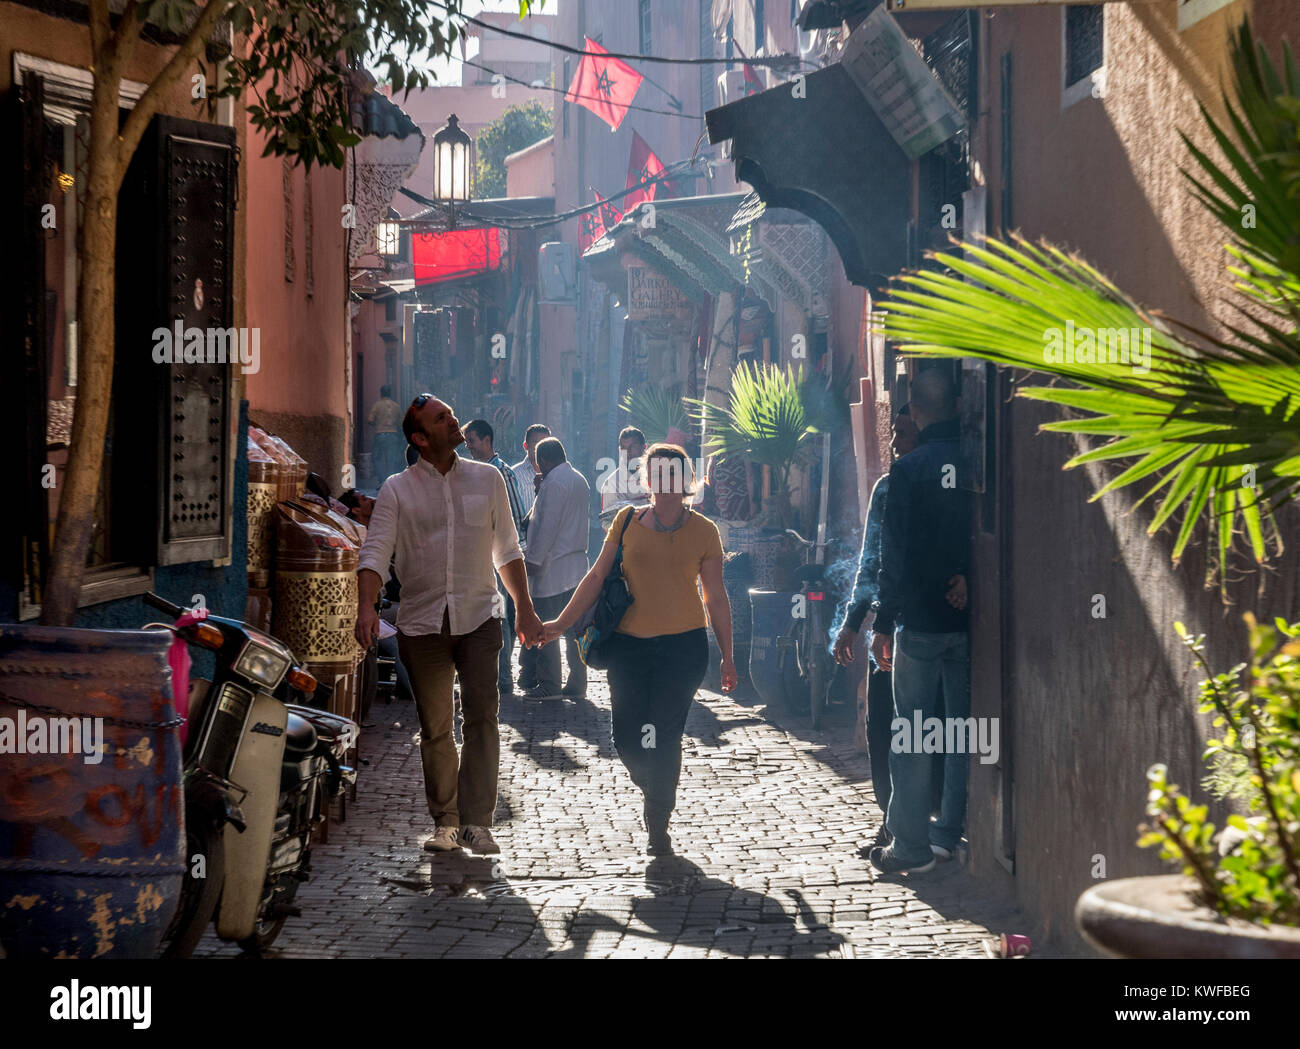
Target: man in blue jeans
{"points": [[925, 560]]}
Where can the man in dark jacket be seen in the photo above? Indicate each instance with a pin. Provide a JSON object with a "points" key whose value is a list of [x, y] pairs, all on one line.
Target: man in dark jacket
{"points": [[880, 695], [925, 560]]}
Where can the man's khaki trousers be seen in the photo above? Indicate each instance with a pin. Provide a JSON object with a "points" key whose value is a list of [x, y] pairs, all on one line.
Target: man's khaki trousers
{"points": [[462, 790]]}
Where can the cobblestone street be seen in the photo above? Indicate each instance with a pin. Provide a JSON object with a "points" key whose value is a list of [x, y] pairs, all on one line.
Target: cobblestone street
{"points": [[769, 821]]}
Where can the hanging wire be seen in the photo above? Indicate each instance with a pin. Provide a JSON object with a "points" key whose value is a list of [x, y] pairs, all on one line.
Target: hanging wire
{"points": [[671, 172], [773, 61], [562, 91]]}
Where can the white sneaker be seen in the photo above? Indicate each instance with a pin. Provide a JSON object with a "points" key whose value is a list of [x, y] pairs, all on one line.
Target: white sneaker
{"points": [[940, 853], [443, 840], [479, 840]]}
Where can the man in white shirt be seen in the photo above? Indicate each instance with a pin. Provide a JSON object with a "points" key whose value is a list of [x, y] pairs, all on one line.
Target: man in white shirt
{"points": [[557, 561], [526, 468], [625, 484], [448, 522]]}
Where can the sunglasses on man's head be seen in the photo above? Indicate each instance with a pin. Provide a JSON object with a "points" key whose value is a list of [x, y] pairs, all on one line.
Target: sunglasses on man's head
{"points": [[422, 400]]}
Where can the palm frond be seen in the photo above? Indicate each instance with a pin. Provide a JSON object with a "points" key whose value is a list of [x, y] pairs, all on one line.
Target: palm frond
{"points": [[655, 410], [1188, 415], [766, 418]]}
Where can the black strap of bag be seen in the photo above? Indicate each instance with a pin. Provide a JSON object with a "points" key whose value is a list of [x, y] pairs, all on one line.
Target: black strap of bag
{"points": [[611, 605]]}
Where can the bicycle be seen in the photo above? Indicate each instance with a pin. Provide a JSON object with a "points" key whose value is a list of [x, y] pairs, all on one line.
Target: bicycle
{"points": [[806, 661]]}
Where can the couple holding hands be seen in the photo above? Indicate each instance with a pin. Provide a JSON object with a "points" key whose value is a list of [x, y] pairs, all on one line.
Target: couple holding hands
{"points": [[446, 524]]}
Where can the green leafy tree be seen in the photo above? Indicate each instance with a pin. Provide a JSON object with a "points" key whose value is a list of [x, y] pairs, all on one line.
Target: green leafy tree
{"points": [[292, 61], [517, 128], [1214, 422]]}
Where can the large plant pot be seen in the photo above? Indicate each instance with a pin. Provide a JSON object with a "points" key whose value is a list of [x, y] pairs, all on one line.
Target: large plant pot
{"points": [[1161, 917], [92, 854]]}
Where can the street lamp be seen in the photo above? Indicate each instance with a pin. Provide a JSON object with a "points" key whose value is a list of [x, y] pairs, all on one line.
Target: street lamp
{"points": [[451, 166], [388, 238]]}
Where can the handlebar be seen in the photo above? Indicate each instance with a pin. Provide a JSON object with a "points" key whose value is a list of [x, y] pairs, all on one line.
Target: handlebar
{"points": [[163, 605], [800, 539]]}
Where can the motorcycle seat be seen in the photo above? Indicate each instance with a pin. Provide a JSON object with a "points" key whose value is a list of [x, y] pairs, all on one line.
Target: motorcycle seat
{"points": [[299, 734]]}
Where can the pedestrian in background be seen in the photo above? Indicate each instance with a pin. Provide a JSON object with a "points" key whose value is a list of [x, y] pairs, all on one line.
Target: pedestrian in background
{"points": [[659, 653], [479, 438], [624, 485], [556, 559], [526, 468], [386, 448], [447, 521], [924, 563], [529, 478]]}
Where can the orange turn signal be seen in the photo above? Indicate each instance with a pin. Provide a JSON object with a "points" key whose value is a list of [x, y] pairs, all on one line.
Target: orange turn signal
{"points": [[301, 680], [208, 636]]}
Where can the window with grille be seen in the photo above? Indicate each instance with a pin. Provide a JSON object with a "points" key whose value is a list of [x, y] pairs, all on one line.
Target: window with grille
{"points": [[643, 22], [1084, 36]]}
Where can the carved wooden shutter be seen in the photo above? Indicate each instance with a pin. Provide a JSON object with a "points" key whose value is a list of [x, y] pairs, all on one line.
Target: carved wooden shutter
{"points": [[175, 267]]}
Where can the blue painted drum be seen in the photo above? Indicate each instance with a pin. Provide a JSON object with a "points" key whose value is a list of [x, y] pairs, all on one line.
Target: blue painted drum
{"points": [[92, 832], [771, 621]]}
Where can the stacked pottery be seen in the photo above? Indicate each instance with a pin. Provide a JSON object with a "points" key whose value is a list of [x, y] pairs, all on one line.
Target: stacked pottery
{"points": [[315, 609]]}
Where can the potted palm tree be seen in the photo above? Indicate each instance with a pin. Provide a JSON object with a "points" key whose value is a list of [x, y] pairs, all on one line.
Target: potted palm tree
{"points": [[769, 418], [1212, 421]]}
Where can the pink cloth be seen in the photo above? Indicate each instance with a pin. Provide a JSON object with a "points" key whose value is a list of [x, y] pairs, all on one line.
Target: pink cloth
{"points": [[178, 656]]}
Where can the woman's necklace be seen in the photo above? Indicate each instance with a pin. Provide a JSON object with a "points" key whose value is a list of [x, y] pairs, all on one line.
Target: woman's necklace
{"points": [[660, 527]]}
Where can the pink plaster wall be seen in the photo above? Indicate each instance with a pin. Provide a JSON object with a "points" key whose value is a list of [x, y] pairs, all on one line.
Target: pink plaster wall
{"points": [[302, 370]]}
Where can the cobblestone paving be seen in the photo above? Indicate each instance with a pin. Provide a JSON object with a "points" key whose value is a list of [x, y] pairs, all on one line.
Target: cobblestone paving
{"points": [[770, 817]]}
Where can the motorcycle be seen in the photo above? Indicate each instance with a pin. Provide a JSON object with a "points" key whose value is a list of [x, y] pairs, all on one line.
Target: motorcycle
{"points": [[258, 773]]}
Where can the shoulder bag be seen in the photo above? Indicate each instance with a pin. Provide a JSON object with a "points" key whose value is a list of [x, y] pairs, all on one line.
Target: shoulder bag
{"points": [[600, 622]]}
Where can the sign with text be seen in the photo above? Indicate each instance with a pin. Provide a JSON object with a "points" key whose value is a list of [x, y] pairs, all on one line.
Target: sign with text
{"points": [[902, 89], [652, 296]]}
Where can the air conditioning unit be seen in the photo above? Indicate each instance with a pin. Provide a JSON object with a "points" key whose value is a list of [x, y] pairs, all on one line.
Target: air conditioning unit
{"points": [[557, 272]]}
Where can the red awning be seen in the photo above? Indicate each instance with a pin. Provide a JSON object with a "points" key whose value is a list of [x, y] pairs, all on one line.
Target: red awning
{"points": [[438, 257]]}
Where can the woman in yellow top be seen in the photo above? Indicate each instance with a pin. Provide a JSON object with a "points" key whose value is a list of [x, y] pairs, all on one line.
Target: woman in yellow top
{"points": [[659, 654]]}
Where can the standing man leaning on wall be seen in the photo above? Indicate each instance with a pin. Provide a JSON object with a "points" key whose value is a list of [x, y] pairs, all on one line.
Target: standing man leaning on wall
{"points": [[448, 521], [924, 564]]}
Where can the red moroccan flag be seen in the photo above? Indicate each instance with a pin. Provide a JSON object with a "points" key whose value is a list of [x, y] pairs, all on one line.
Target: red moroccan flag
{"points": [[606, 86], [642, 167], [593, 224], [753, 86], [610, 216]]}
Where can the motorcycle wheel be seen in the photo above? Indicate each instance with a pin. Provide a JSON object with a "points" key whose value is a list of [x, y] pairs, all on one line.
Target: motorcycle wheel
{"points": [[199, 896], [267, 929]]}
